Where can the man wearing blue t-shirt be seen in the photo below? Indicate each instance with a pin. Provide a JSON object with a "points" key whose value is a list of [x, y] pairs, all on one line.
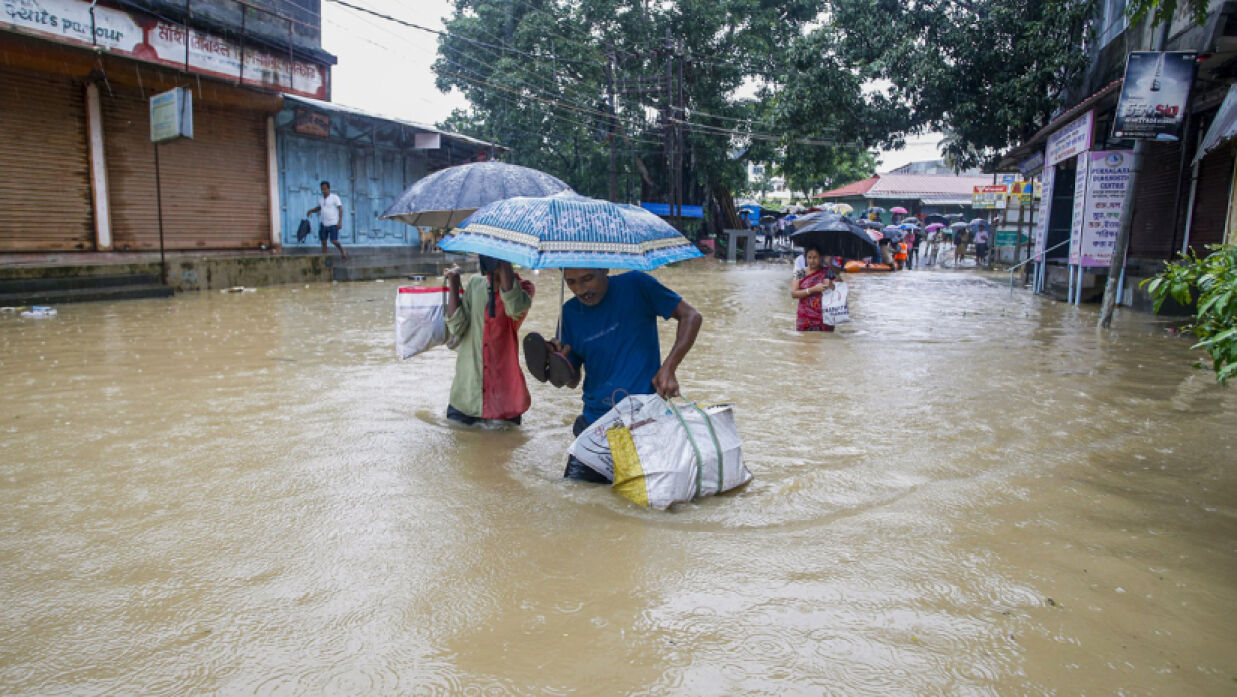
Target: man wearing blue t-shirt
{"points": [[610, 330]]}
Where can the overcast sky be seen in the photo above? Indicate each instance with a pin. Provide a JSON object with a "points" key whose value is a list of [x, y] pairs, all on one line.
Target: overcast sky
{"points": [[384, 68]]}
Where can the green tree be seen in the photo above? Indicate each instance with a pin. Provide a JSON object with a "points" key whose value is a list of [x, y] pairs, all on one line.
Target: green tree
{"points": [[535, 73], [989, 70], [1211, 282]]}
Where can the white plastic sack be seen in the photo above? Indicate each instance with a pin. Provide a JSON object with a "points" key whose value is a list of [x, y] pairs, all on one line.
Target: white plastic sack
{"points": [[658, 463], [420, 319], [834, 304], [591, 446]]}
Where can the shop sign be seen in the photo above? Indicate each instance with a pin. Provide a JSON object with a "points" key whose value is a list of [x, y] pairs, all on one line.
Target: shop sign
{"points": [[1032, 164], [988, 197], [1077, 222], [1008, 238], [1155, 95], [171, 115], [1045, 208], [156, 41], [1108, 178], [1021, 194], [312, 123], [1071, 140]]}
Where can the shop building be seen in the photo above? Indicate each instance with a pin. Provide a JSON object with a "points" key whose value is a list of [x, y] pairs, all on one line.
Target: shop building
{"points": [[75, 148], [369, 161], [1185, 194]]}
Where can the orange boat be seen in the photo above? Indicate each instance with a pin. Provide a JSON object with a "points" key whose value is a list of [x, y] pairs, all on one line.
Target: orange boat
{"points": [[865, 267]]}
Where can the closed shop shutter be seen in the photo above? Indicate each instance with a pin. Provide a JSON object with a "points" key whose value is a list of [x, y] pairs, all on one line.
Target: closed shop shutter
{"points": [[1153, 228], [1211, 199], [45, 202], [215, 193]]}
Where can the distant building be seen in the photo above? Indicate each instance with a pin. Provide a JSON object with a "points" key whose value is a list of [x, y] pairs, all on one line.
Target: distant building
{"points": [[921, 194], [1185, 198], [931, 167]]}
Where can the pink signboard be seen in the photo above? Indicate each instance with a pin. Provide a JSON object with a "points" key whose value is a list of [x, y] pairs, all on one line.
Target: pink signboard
{"points": [[156, 41]]}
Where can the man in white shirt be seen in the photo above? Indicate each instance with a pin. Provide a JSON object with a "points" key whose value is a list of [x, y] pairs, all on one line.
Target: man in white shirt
{"points": [[332, 210]]}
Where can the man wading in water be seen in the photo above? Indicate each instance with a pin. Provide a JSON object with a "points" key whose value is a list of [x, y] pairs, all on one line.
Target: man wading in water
{"points": [[610, 329]]}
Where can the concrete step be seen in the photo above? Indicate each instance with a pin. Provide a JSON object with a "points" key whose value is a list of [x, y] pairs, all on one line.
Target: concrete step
{"points": [[56, 283], [77, 295]]}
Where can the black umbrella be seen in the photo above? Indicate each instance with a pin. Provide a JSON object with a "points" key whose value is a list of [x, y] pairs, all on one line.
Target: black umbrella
{"points": [[448, 196], [838, 236]]}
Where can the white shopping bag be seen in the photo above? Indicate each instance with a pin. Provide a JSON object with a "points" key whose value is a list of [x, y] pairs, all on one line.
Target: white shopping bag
{"points": [[834, 306], [420, 319]]}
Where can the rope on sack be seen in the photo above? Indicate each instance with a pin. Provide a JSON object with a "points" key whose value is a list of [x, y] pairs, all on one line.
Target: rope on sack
{"points": [[692, 439], [716, 445]]}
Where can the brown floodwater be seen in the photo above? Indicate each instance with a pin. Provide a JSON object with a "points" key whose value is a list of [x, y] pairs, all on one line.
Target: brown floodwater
{"points": [[961, 492]]}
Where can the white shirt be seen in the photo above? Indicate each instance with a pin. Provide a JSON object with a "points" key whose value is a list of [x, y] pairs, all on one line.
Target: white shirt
{"points": [[330, 206], [800, 263]]}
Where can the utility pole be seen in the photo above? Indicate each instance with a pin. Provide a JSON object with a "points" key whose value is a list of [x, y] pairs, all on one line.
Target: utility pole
{"points": [[1116, 267], [680, 148], [612, 126], [668, 115]]}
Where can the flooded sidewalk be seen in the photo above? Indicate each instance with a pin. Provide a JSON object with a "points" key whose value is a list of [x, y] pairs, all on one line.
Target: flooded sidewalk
{"points": [[961, 492]]}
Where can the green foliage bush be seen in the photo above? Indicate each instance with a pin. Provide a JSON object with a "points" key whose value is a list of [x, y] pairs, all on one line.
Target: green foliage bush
{"points": [[1214, 279]]}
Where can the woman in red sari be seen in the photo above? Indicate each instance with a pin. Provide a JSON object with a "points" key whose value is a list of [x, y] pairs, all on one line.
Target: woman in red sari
{"points": [[807, 287]]}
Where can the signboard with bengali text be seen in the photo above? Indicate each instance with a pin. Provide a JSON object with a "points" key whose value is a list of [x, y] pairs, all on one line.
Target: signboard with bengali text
{"points": [[1108, 177], [1080, 205], [154, 40], [1071, 140], [988, 197], [1048, 178]]}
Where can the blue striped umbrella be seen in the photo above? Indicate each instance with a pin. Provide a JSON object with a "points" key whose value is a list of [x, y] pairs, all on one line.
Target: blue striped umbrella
{"points": [[570, 231]]}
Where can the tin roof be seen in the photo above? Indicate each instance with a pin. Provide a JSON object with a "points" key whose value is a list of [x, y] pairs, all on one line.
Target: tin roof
{"points": [[853, 189], [934, 187], [343, 109]]}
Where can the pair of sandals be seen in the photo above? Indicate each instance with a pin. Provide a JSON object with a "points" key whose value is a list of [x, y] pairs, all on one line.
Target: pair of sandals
{"points": [[546, 364]]}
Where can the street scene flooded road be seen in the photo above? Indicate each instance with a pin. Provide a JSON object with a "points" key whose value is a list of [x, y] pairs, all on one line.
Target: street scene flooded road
{"points": [[963, 492]]}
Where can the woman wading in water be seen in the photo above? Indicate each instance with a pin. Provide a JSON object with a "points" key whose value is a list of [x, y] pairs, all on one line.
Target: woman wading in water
{"points": [[807, 287]]}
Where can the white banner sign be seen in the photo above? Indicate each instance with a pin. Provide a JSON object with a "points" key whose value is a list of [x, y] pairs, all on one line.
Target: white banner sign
{"points": [[1080, 210], [1108, 178], [1072, 140], [157, 41], [1048, 177]]}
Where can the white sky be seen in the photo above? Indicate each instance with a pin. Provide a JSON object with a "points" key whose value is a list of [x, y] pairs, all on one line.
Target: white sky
{"points": [[384, 68]]}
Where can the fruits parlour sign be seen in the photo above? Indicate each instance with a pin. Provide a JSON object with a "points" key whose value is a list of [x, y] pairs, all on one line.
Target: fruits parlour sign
{"points": [[1155, 95]]}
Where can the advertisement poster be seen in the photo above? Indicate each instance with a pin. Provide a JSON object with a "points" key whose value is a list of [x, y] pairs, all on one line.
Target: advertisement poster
{"points": [[988, 197], [1077, 222], [1045, 208], [1155, 95], [1108, 178], [1071, 140], [156, 41]]}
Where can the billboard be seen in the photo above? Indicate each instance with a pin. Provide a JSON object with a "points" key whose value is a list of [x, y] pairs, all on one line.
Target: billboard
{"points": [[988, 196], [157, 40], [1070, 140], [1155, 95]]}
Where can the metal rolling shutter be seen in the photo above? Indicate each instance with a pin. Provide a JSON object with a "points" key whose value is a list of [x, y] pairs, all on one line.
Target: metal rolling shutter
{"points": [[1152, 230], [215, 193], [1211, 199], [45, 200]]}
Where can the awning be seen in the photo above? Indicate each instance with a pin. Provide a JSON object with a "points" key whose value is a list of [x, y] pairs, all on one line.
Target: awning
{"points": [[945, 200], [663, 210], [1223, 128], [337, 108]]}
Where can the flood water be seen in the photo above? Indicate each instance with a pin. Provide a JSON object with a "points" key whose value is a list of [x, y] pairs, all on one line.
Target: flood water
{"points": [[961, 493]]}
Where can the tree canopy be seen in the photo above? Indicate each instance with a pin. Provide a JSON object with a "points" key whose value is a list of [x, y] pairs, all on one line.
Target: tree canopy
{"points": [[812, 86]]}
